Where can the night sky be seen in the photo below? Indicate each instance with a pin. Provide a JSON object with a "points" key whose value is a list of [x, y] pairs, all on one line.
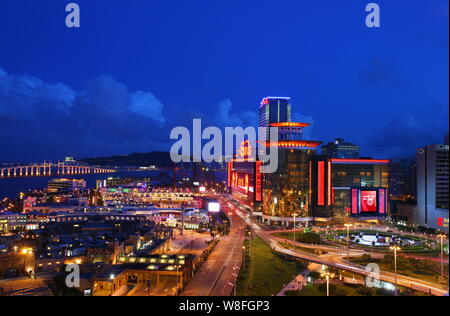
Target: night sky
{"points": [[137, 68]]}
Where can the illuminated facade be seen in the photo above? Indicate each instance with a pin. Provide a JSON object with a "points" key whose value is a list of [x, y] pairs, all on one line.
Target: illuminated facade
{"points": [[433, 186], [358, 174], [306, 186], [287, 191], [273, 110]]}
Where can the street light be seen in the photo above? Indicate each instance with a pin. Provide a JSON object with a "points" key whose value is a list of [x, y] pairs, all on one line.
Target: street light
{"points": [[176, 290], [441, 237], [294, 227], [327, 275], [243, 248], [236, 280], [348, 225], [395, 249]]}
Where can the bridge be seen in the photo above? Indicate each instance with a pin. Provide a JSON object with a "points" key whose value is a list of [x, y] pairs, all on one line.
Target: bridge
{"points": [[49, 169]]}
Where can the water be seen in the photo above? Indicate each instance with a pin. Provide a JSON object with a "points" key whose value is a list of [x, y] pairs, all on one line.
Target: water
{"points": [[11, 187]]}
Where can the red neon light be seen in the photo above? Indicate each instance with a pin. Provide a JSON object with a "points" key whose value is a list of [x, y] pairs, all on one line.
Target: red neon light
{"points": [[329, 183], [360, 161], [320, 183], [382, 201], [354, 201], [258, 182], [246, 149], [289, 124], [310, 182], [294, 143], [230, 169], [246, 184]]}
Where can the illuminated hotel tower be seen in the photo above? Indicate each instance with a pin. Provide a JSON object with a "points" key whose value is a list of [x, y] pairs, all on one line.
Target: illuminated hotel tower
{"points": [[273, 110]]}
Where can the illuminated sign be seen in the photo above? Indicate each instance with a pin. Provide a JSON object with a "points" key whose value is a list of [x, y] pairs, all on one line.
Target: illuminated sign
{"points": [[202, 189], [442, 222], [320, 183], [214, 207], [258, 184], [246, 149], [368, 201]]}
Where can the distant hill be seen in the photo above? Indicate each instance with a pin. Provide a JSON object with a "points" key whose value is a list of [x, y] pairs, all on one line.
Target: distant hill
{"points": [[157, 158]]}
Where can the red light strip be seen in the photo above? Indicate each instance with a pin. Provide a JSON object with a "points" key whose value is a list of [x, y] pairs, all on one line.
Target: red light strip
{"points": [[320, 183], [258, 184], [310, 182], [329, 183], [382, 201], [360, 161], [307, 144], [354, 201], [290, 124], [230, 169]]}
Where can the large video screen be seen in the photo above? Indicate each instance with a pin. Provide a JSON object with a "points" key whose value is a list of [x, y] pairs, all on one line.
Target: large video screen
{"points": [[368, 201]]}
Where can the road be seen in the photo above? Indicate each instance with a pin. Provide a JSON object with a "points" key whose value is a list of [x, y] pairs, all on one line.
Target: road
{"points": [[25, 287], [335, 259], [218, 274]]}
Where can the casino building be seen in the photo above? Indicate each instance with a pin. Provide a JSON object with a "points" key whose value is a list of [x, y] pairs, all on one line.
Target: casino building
{"points": [[360, 187], [307, 187]]}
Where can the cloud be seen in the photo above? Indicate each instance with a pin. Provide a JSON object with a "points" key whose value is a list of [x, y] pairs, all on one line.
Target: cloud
{"points": [[41, 121], [45, 121], [413, 130], [225, 117], [378, 72], [148, 105]]}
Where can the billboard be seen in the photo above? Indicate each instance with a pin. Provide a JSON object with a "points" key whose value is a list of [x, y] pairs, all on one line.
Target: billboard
{"points": [[370, 202], [213, 207]]}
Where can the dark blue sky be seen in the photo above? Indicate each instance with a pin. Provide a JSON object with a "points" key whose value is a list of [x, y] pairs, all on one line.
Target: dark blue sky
{"points": [[137, 68]]}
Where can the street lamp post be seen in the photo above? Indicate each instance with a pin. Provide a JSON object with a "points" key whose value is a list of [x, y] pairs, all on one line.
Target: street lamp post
{"points": [[294, 227], [327, 275], [395, 249], [236, 280], [243, 248], [441, 237], [176, 289]]}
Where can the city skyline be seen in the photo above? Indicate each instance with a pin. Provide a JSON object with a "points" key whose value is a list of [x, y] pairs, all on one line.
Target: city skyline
{"points": [[81, 97], [234, 152]]}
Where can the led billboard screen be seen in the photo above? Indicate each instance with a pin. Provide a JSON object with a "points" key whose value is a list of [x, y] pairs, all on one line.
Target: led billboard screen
{"points": [[214, 207], [369, 201]]}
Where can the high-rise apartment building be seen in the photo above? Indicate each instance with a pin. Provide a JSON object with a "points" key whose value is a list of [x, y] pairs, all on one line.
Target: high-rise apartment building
{"points": [[433, 186]]}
